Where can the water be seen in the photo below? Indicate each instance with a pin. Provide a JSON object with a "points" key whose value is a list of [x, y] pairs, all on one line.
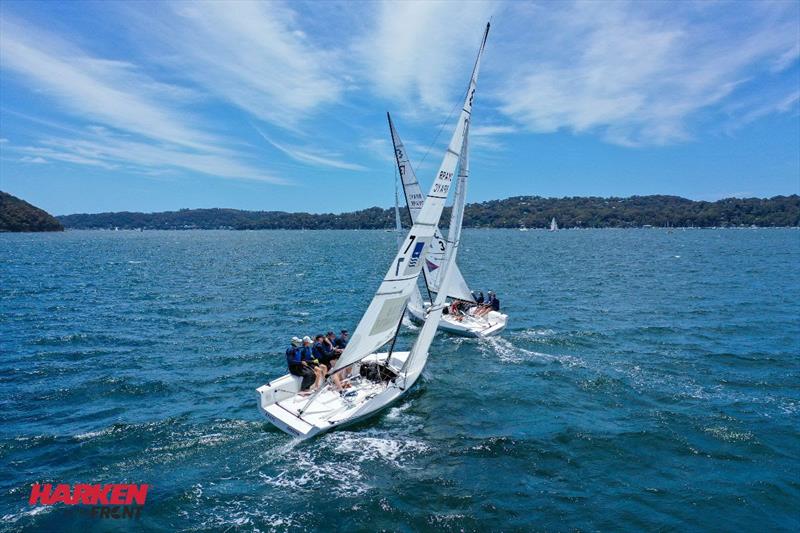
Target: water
{"points": [[647, 380]]}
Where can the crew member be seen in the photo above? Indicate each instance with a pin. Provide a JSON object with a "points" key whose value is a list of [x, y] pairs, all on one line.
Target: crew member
{"points": [[341, 341], [299, 367]]}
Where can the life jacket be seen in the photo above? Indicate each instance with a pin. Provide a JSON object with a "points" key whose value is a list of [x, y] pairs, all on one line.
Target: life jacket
{"points": [[291, 356]]}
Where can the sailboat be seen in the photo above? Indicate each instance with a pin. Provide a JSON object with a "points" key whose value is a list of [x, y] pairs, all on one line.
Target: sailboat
{"points": [[387, 375], [553, 225], [469, 324]]}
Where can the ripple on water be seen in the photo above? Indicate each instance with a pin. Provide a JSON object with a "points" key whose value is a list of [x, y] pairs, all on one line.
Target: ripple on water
{"points": [[654, 387]]}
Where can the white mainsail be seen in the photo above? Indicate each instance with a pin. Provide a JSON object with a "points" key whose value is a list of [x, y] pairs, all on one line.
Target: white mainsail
{"points": [[432, 270], [379, 323], [418, 356], [553, 224]]}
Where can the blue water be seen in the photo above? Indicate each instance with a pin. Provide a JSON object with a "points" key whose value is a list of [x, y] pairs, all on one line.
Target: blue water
{"points": [[647, 380]]}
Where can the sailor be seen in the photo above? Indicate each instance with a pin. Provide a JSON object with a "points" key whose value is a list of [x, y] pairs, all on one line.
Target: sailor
{"points": [[457, 310], [341, 341], [307, 356], [297, 366], [479, 299], [330, 340], [494, 302], [322, 352], [327, 356]]}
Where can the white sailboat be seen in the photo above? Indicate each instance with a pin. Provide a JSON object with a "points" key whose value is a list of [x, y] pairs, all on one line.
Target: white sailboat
{"points": [[553, 225], [394, 373], [469, 324]]}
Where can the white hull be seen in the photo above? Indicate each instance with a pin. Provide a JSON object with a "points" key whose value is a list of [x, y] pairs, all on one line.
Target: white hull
{"points": [[490, 324], [280, 402]]}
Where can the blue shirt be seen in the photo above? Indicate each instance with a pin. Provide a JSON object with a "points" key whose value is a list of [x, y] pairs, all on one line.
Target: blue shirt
{"points": [[495, 303], [321, 350], [340, 342], [293, 355], [305, 353]]}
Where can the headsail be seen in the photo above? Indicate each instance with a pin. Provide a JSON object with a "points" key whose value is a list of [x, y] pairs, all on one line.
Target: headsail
{"points": [[414, 198], [387, 308]]}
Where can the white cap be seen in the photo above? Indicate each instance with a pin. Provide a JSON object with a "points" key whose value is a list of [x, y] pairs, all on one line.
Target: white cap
{"points": [[306, 339], [296, 341]]}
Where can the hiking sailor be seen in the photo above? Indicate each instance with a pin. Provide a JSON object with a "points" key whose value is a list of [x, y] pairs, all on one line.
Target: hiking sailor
{"points": [[299, 367], [341, 341]]}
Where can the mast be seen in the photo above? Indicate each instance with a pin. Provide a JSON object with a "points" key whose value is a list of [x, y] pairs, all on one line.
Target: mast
{"points": [[397, 225], [425, 337]]}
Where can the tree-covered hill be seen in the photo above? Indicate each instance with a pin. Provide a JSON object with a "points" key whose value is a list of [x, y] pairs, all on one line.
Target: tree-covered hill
{"points": [[531, 211], [19, 215]]}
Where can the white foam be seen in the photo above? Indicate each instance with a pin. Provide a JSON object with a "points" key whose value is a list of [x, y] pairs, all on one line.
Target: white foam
{"points": [[11, 518], [509, 353]]}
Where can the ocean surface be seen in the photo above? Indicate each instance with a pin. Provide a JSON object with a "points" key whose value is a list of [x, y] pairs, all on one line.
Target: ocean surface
{"points": [[648, 380]]}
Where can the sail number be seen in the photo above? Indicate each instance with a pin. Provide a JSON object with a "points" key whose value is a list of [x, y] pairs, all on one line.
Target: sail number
{"points": [[442, 188]]}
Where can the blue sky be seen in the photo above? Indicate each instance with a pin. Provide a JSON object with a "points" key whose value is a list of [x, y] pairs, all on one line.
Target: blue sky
{"points": [[153, 106]]}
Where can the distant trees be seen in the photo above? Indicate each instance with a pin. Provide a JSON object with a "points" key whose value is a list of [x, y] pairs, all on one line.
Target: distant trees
{"points": [[531, 211], [19, 215]]}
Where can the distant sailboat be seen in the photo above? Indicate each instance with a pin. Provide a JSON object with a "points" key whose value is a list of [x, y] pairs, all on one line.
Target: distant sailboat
{"points": [[522, 227], [553, 225]]}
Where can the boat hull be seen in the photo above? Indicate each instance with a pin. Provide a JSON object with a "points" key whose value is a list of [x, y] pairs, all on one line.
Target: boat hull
{"points": [[468, 327], [280, 403]]}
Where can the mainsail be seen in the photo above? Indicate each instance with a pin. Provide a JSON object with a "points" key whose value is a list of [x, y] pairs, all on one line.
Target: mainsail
{"points": [[416, 359], [433, 263], [379, 323]]}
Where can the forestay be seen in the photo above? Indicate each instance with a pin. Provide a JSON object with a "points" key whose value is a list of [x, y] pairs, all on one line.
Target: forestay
{"points": [[414, 199], [387, 308]]}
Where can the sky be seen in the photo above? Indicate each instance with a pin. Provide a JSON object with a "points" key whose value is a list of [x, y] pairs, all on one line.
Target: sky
{"points": [[145, 106]]}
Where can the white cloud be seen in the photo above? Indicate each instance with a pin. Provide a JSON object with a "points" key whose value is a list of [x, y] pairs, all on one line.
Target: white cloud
{"points": [[638, 73], [250, 54], [154, 129], [111, 92], [420, 53], [30, 159], [307, 155]]}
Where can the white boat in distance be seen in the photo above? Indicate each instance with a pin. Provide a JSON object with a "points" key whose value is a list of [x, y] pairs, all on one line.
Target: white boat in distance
{"points": [[391, 374], [553, 225], [469, 324]]}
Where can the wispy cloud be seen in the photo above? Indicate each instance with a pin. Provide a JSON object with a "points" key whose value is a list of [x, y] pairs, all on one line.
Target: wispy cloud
{"points": [[110, 92], [253, 55], [639, 73], [32, 159], [152, 128], [309, 156], [419, 52]]}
